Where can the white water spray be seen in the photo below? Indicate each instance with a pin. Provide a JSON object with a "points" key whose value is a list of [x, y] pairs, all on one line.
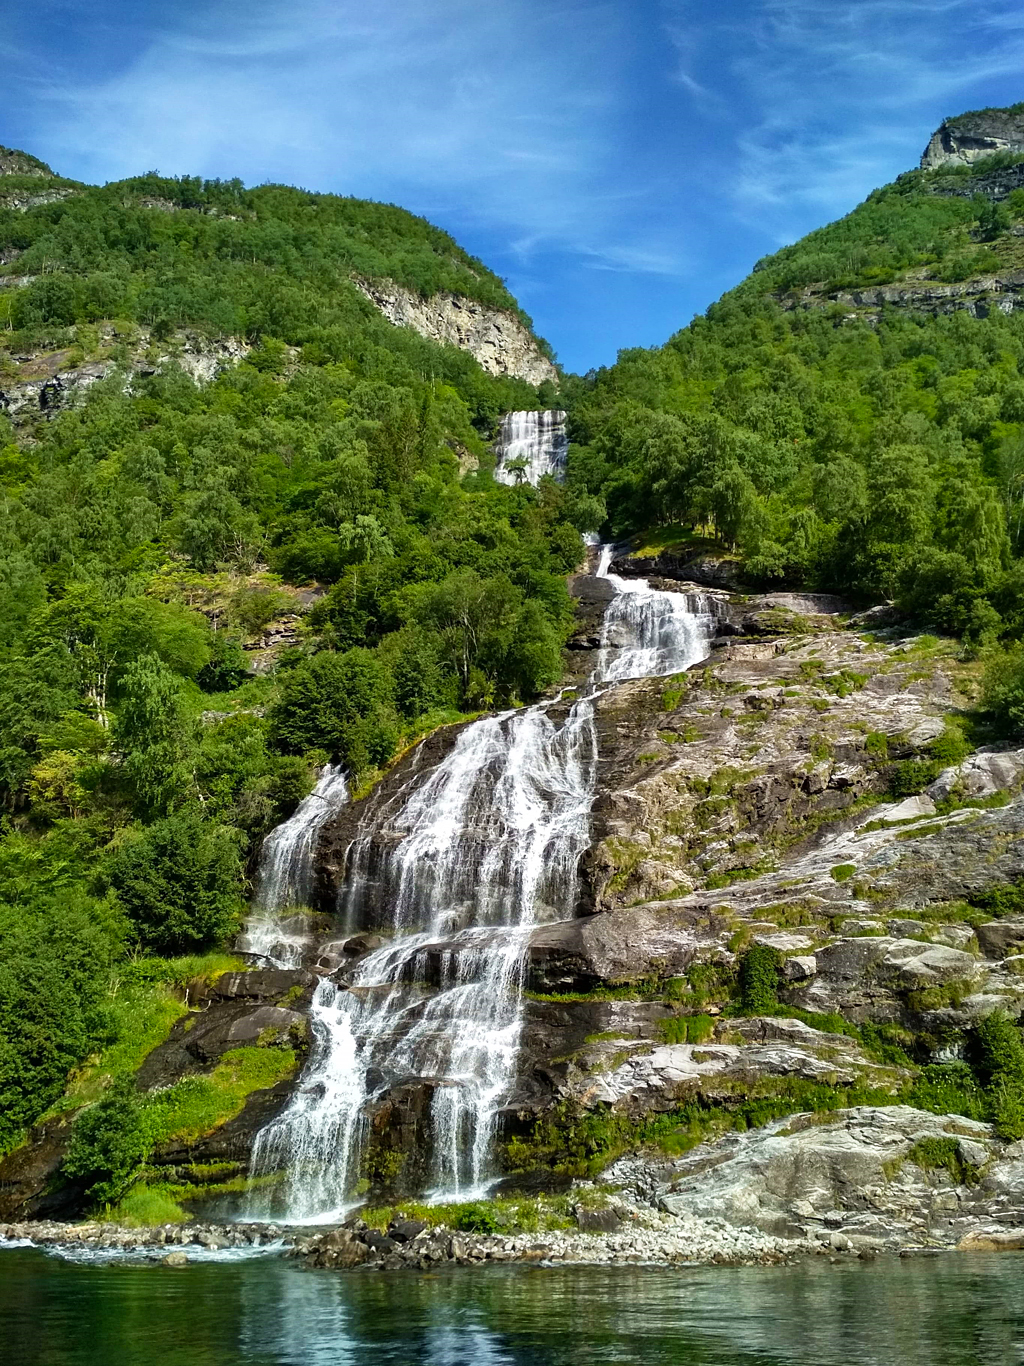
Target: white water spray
{"points": [[284, 881], [539, 439], [647, 633], [477, 853]]}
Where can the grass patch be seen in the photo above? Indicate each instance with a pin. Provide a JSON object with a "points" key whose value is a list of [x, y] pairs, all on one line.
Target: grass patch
{"points": [[145, 1001], [843, 871], [686, 1029], [145, 1207], [195, 1106]]}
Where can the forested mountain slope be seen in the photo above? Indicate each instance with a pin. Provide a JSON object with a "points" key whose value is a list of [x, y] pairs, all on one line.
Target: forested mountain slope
{"points": [[829, 424], [249, 526], [308, 508]]}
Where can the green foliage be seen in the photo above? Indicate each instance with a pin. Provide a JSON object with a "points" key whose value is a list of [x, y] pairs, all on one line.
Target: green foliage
{"points": [[179, 881], [54, 954], [878, 458], [343, 703], [932, 1154], [112, 1139], [947, 1089], [842, 872], [997, 1056], [198, 1104], [759, 979], [686, 1029], [109, 1143]]}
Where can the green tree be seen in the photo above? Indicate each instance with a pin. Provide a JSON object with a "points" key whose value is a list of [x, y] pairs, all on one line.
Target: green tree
{"points": [[109, 1143], [155, 736], [179, 881], [342, 703]]}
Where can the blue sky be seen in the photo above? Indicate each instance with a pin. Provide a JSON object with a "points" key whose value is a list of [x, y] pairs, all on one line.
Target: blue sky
{"points": [[620, 162]]}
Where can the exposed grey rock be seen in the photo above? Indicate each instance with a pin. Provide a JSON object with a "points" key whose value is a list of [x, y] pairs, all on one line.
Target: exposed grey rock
{"points": [[962, 140], [851, 1171], [498, 340], [1000, 938]]}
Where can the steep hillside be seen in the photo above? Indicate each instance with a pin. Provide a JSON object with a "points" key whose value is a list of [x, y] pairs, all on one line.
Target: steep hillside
{"points": [[848, 419], [237, 537], [734, 921]]}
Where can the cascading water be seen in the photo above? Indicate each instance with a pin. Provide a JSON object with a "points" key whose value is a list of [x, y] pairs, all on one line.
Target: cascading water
{"points": [[646, 633], [479, 852], [284, 880], [536, 438]]}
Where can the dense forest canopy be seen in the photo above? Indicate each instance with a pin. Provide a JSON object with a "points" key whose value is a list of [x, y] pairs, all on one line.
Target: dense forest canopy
{"points": [[877, 452]]}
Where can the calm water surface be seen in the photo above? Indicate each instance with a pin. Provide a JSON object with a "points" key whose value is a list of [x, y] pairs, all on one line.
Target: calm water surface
{"points": [[951, 1311]]}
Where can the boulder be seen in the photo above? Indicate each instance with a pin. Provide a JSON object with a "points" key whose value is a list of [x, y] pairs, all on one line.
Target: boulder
{"points": [[266, 1024], [262, 984], [606, 1220], [1000, 938]]}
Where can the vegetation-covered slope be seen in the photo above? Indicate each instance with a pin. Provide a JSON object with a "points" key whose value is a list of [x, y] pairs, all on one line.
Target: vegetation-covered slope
{"points": [[878, 455], [151, 532]]}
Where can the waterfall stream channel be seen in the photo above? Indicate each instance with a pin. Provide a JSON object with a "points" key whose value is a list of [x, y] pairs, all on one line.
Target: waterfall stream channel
{"points": [[481, 850]]}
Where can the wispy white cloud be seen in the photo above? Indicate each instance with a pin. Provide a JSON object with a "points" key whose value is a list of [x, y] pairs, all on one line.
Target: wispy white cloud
{"points": [[447, 101], [642, 152], [832, 97]]}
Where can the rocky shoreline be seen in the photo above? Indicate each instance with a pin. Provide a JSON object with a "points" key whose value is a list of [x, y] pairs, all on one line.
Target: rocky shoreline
{"points": [[621, 1233]]}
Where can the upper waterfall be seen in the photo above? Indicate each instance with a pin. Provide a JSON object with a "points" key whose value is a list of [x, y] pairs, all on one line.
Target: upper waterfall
{"points": [[531, 444]]}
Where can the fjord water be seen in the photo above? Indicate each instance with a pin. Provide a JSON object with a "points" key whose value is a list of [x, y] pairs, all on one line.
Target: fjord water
{"points": [[478, 853], [957, 1310]]}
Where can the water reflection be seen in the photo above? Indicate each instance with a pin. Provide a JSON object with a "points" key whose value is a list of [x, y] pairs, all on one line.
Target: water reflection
{"points": [[947, 1312]]}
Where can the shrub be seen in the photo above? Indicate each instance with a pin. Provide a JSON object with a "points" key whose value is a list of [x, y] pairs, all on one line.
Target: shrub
{"points": [[933, 1154], [759, 979], [109, 1143], [179, 881], [947, 1089]]}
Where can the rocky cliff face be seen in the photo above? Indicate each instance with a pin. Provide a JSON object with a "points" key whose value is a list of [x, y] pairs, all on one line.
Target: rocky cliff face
{"points": [[44, 383], [497, 340], [968, 137], [984, 294]]}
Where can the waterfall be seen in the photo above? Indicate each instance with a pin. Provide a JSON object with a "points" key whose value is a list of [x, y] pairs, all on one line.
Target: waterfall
{"points": [[284, 879], [538, 438], [476, 853], [647, 633]]}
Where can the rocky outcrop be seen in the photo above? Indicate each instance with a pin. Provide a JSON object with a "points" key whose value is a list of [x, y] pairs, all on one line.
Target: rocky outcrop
{"points": [[985, 294], [962, 140], [497, 339], [869, 1179], [49, 382], [13, 162]]}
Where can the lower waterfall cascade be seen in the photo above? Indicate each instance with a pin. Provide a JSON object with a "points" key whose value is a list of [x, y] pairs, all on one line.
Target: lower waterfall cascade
{"points": [[538, 439], [479, 851]]}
